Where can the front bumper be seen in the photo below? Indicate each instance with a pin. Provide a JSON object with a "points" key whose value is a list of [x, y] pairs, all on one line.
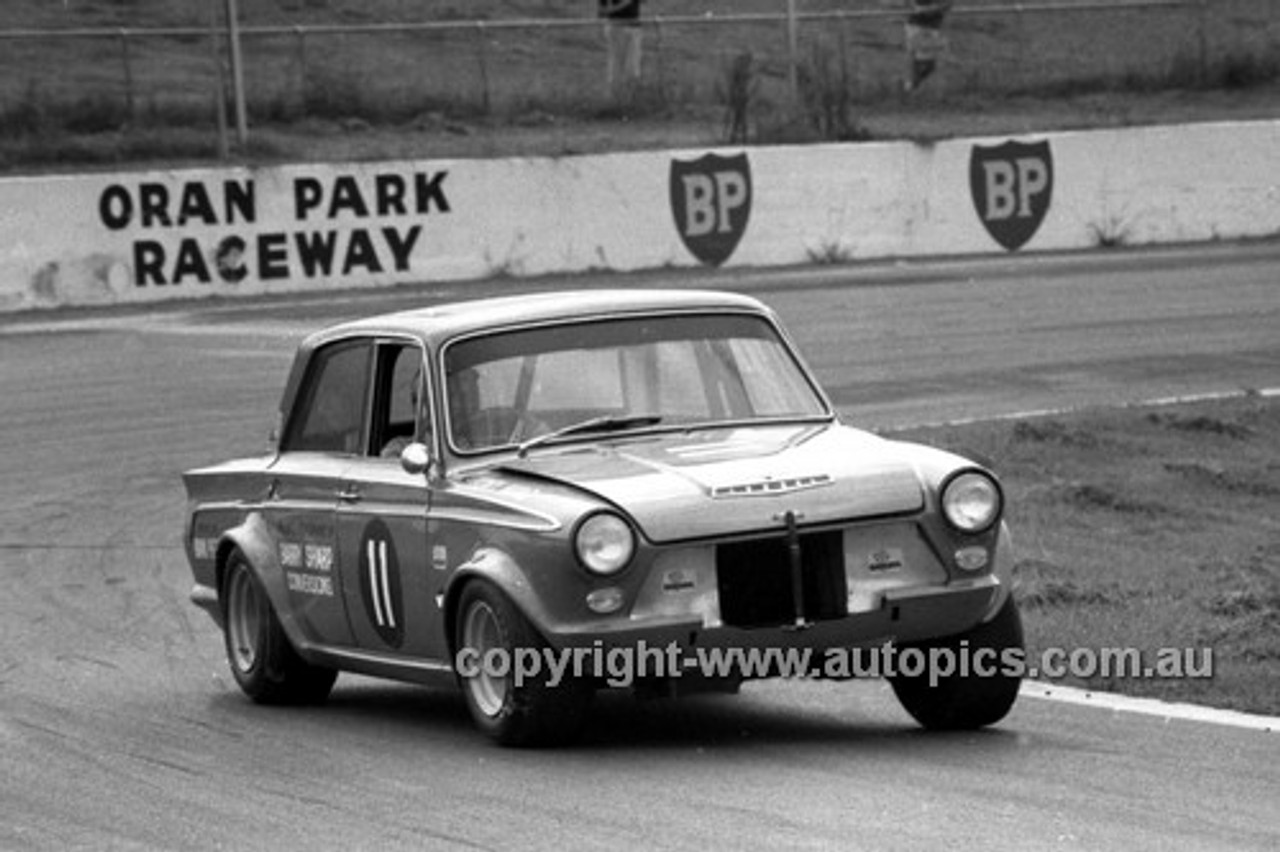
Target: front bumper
{"points": [[207, 599], [903, 616]]}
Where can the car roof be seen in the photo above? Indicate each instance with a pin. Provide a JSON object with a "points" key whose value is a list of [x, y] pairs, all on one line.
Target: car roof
{"points": [[438, 323]]}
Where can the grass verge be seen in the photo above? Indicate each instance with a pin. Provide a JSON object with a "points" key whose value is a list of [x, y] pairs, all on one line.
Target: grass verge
{"points": [[1147, 528]]}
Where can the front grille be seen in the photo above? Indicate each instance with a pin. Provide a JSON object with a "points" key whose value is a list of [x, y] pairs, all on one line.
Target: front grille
{"points": [[755, 584]]}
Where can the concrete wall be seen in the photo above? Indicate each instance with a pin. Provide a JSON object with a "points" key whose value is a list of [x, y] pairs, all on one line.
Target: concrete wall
{"points": [[145, 236]]}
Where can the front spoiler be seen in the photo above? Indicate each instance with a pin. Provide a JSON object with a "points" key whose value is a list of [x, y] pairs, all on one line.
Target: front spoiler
{"points": [[910, 615]]}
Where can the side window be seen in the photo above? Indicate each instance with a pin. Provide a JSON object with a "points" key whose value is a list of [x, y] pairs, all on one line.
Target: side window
{"points": [[329, 413], [400, 414]]}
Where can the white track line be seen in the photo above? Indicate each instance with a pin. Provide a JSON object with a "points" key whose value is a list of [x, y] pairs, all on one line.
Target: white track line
{"points": [[1149, 707], [1031, 414], [1109, 700]]}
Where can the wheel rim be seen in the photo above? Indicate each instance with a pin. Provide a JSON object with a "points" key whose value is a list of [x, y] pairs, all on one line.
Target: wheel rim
{"points": [[482, 633], [244, 621]]}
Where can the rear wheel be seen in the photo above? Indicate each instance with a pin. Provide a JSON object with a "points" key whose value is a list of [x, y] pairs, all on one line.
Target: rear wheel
{"points": [[490, 635], [262, 660], [968, 700]]}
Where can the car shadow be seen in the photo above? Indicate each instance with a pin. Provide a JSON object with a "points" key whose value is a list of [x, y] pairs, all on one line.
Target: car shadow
{"points": [[620, 721]]}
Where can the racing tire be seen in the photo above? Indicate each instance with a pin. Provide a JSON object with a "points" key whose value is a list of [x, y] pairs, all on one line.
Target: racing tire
{"points": [[513, 711], [262, 659], [964, 700]]}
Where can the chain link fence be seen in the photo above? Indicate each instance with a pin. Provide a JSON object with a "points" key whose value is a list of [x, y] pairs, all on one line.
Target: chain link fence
{"points": [[398, 60]]}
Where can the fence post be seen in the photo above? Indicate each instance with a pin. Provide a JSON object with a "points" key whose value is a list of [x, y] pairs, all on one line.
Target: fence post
{"points": [[219, 89], [128, 73], [659, 59], [237, 72], [1021, 60], [300, 57], [482, 56], [793, 52], [1204, 41]]}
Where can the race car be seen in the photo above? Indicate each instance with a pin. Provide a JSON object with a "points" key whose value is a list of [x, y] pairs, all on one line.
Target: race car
{"points": [[535, 497]]}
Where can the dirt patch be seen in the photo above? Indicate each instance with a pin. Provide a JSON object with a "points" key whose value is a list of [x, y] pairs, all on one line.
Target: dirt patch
{"points": [[1256, 483], [1201, 424], [1088, 497], [1053, 432]]}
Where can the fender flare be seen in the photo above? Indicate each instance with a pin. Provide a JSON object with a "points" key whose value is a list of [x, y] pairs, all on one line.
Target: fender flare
{"points": [[250, 537], [1003, 572], [496, 566]]}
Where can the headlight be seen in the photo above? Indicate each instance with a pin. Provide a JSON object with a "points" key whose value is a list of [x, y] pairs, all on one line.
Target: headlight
{"points": [[971, 501], [604, 543]]}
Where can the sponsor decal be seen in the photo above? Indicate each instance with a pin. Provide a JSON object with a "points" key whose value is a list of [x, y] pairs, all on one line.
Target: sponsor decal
{"points": [[1012, 187], [711, 204], [310, 584], [319, 557], [307, 557], [678, 580], [380, 583], [204, 548], [206, 231], [290, 554], [439, 557], [886, 559]]}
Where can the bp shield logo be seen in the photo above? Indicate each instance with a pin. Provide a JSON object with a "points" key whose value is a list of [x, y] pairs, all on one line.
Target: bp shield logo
{"points": [[711, 203], [380, 583], [1012, 186]]}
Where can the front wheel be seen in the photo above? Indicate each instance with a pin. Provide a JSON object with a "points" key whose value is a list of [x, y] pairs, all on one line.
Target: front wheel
{"points": [[965, 699], [492, 637], [263, 661]]}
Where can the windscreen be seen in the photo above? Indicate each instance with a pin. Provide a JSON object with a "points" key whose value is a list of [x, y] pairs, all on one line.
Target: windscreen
{"points": [[673, 371]]}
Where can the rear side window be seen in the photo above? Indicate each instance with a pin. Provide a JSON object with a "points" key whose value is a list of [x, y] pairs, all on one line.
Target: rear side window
{"points": [[329, 415]]}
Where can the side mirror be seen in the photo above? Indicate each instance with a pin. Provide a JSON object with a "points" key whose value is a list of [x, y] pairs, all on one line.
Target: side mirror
{"points": [[415, 458]]}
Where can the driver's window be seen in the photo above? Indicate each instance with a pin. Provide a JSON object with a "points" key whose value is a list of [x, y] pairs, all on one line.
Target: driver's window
{"points": [[400, 414]]}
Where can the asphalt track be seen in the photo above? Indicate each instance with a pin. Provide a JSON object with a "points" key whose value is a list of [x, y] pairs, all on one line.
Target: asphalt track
{"points": [[121, 728]]}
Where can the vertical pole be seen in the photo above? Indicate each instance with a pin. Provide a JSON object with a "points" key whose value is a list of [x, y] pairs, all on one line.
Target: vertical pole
{"points": [[793, 51], [1022, 43], [1204, 41], [301, 58], [482, 50], [659, 59], [237, 72], [128, 73], [219, 88]]}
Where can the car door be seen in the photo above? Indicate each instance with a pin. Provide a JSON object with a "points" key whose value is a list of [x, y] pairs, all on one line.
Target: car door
{"points": [[389, 579], [321, 437]]}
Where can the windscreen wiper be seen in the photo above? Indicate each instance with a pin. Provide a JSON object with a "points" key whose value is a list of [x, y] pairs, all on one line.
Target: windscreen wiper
{"points": [[605, 423]]}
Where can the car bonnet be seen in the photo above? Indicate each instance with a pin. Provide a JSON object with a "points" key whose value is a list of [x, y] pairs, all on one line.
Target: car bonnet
{"points": [[704, 483]]}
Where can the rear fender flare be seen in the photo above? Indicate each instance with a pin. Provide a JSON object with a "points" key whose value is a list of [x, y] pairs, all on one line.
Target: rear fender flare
{"points": [[253, 540]]}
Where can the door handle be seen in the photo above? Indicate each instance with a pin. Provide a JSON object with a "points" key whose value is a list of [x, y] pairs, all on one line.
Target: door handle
{"points": [[350, 493]]}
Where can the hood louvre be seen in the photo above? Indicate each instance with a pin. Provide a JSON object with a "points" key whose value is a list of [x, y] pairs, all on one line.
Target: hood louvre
{"points": [[771, 486]]}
